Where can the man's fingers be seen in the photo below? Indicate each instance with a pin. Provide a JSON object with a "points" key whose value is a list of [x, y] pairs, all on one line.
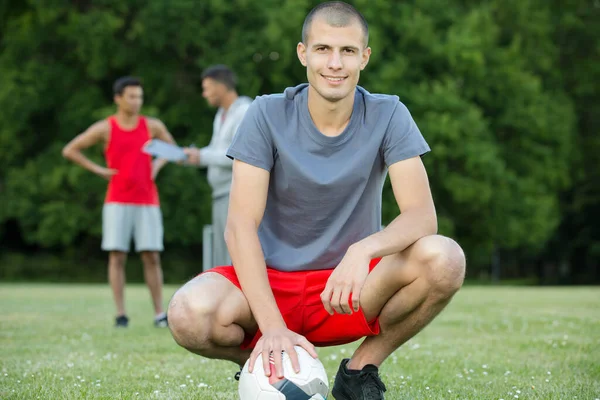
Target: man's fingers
{"points": [[293, 357], [335, 300], [356, 297], [345, 300], [308, 346], [252, 360], [326, 300], [266, 362]]}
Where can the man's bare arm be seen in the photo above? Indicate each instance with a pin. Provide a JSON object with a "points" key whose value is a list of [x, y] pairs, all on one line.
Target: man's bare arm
{"points": [[247, 201], [97, 133], [418, 217], [158, 130]]}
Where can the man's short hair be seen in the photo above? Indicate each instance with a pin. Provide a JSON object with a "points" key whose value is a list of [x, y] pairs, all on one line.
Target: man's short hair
{"points": [[222, 74], [121, 83], [337, 14]]}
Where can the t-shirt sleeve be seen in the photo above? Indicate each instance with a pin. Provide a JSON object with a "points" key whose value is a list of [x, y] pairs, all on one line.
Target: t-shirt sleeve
{"points": [[253, 143], [403, 139]]}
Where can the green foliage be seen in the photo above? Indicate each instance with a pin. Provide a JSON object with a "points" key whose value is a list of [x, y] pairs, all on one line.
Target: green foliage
{"points": [[504, 92]]}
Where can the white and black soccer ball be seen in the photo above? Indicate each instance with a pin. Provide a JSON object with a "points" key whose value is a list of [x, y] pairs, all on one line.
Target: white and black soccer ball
{"points": [[310, 384]]}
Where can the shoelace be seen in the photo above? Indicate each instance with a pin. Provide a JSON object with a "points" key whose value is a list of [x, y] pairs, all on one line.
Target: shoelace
{"points": [[237, 375], [373, 384]]}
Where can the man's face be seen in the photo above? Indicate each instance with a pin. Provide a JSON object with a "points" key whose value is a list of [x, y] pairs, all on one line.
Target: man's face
{"points": [[213, 91], [334, 57], [131, 100]]}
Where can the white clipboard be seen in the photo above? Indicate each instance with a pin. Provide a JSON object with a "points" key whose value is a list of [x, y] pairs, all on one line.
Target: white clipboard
{"points": [[160, 149]]}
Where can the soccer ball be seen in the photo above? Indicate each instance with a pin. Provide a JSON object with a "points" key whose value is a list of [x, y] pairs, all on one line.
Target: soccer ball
{"points": [[310, 384]]}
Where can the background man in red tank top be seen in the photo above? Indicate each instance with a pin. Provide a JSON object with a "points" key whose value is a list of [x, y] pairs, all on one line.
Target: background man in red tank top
{"points": [[131, 207]]}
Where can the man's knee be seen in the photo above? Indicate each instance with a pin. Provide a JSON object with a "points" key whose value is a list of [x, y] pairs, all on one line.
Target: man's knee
{"points": [[445, 263], [150, 258], [117, 259], [190, 320]]}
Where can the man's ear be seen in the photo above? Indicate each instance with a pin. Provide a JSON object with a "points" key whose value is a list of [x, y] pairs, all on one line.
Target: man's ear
{"points": [[301, 51], [365, 58]]}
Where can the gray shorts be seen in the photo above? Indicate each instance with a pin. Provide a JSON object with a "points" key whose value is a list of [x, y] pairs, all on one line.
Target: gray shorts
{"points": [[122, 222]]}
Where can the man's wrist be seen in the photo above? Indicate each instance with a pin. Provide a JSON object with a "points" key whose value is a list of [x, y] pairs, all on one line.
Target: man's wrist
{"points": [[365, 247], [273, 324]]}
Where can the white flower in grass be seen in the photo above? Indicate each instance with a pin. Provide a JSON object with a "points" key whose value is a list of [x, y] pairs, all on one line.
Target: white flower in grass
{"points": [[518, 392], [343, 351], [507, 373], [333, 357], [484, 366], [427, 388], [549, 373], [97, 385], [485, 372], [202, 385], [188, 376], [182, 386], [156, 377]]}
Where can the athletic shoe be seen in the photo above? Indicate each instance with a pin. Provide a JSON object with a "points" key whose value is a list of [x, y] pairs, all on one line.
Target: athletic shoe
{"points": [[121, 321], [237, 375], [161, 321], [358, 385]]}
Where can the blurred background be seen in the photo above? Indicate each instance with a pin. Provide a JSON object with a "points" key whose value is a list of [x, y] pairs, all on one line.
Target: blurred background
{"points": [[506, 92]]}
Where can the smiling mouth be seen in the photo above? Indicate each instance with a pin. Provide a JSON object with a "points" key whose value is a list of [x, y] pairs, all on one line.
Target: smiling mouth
{"points": [[334, 79]]}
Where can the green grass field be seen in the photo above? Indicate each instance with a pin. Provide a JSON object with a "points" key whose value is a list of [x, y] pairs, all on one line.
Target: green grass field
{"points": [[57, 342]]}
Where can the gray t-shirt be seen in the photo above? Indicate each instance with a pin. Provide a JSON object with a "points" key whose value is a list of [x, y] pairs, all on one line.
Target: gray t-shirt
{"points": [[324, 192]]}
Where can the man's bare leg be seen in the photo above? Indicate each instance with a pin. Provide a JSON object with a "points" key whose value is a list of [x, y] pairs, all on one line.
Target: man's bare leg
{"points": [[153, 276], [116, 278], [418, 284], [210, 316]]}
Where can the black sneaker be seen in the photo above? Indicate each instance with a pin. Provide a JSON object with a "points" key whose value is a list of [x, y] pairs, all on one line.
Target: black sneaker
{"points": [[358, 385], [121, 321], [161, 322], [237, 375]]}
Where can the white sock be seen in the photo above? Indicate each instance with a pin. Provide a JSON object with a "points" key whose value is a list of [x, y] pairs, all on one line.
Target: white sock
{"points": [[160, 316]]}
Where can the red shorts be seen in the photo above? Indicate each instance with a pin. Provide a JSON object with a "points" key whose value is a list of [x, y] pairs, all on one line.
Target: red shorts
{"points": [[298, 296]]}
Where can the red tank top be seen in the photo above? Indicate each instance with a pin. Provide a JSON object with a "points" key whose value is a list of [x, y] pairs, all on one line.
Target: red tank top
{"points": [[133, 184]]}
